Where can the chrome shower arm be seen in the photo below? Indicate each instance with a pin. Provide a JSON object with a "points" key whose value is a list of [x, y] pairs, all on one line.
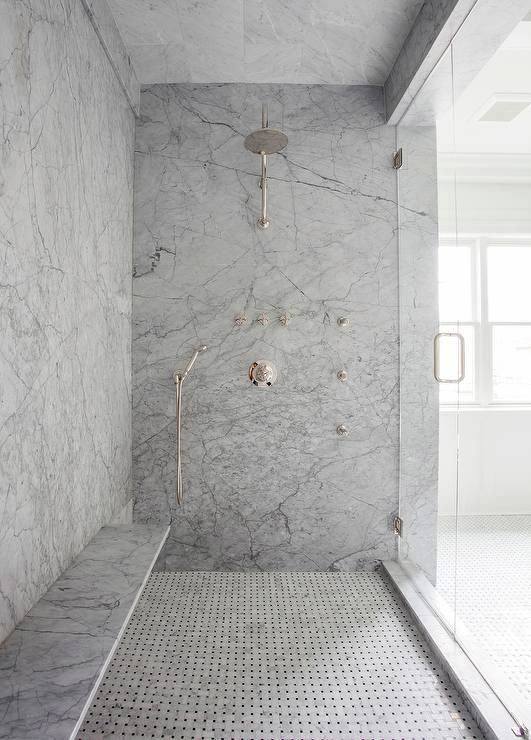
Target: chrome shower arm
{"points": [[263, 222]]}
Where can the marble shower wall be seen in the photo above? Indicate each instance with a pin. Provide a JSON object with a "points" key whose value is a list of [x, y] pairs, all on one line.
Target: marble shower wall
{"points": [[65, 241], [268, 483]]}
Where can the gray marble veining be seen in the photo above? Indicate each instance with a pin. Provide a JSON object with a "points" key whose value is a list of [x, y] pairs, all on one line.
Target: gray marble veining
{"points": [[65, 286], [49, 664], [268, 483], [263, 41]]}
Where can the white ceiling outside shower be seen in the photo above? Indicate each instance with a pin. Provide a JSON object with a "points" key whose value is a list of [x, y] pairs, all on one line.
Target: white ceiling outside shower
{"points": [[351, 42]]}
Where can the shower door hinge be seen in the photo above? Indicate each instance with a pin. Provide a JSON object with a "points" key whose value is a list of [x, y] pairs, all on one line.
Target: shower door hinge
{"points": [[397, 159], [397, 526]]}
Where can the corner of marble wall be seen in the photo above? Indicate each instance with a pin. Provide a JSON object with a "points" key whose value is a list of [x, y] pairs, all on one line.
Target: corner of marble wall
{"points": [[102, 19], [434, 28], [65, 252]]}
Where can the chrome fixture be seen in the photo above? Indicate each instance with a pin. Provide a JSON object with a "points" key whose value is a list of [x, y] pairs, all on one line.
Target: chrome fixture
{"points": [[265, 141], [262, 373], [284, 319], [263, 319], [240, 319], [397, 526], [179, 380], [342, 375], [342, 431], [343, 322]]}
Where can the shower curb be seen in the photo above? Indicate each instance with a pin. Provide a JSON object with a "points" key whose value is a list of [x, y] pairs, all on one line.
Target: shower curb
{"points": [[490, 714]]}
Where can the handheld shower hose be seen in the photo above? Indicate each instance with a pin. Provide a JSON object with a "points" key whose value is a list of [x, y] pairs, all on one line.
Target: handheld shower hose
{"points": [[179, 380]]}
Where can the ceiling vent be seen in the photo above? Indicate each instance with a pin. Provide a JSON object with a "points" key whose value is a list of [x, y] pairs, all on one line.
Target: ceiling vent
{"points": [[503, 107]]}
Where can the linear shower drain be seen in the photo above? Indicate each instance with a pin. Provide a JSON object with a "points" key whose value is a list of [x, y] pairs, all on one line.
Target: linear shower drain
{"points": [[282, 656]]}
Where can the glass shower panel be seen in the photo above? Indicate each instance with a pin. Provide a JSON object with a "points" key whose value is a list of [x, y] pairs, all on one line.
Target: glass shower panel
{"points": [[491, 297], [429, 342]]}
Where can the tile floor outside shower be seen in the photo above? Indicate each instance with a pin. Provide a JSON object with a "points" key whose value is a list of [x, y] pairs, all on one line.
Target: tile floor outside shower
{"points": [[484, 569], [305, 656]]}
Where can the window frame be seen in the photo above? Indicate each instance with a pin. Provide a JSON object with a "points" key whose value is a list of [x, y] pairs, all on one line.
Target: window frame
{"points": [[483, 386]]}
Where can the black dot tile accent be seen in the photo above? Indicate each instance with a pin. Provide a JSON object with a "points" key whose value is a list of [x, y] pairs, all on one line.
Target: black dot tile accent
{"points": [[274, 656]]}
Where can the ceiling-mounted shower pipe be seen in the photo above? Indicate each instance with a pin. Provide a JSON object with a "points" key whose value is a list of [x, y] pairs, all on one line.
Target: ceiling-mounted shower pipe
{"points": [[265, 141]]}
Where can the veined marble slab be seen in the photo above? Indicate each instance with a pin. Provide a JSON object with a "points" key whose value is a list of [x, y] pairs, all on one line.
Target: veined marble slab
{"points": [[269, 485], [351, 42], [49, 664], [66, 187]]}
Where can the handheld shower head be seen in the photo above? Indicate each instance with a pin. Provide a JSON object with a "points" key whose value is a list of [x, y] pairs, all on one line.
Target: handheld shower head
{"points": [[181, 377]]}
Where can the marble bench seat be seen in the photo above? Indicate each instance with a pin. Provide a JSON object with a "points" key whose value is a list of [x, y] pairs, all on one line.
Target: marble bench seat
{"points": [[50, 662]]}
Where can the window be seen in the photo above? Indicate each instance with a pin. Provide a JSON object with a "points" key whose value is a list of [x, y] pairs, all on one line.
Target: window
{"points": [[485, 295]]}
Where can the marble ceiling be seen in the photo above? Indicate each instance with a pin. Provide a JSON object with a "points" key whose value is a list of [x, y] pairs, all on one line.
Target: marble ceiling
{"points": [[284, 41]]}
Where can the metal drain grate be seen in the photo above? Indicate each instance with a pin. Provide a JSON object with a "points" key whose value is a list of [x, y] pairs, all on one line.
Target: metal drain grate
{"points": [[298, 656]]}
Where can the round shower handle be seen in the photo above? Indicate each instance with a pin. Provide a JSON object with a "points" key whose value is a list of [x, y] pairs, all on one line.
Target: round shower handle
{"points": [[262, 373]]}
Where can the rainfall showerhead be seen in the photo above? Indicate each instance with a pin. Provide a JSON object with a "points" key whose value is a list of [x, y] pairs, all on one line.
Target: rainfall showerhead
{"points": [[265, 141]]}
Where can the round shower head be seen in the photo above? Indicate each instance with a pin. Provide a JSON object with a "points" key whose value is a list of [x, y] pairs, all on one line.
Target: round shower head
{"points": [[266, 141]]}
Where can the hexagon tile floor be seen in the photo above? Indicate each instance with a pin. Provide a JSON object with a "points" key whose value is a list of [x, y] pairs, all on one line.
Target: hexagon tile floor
{"points": [[282, 656]]}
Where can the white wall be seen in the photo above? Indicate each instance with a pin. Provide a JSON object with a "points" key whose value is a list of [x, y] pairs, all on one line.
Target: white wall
{"points": [[494, 461]]}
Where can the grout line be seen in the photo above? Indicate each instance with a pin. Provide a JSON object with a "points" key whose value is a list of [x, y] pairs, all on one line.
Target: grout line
{"points": [[112, 651]]}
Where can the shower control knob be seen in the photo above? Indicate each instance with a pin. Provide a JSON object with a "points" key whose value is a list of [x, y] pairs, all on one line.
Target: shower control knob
{"points": [[342, 431], [262, 373], [342, 375], [343, 322]]}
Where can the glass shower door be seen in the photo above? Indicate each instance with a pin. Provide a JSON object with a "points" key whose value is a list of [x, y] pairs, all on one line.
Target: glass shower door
{"points": [[431, 345], [492, 172], [465, 347]]}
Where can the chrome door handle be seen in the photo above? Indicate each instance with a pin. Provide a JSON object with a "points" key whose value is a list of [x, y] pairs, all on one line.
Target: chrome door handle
{"points": [[437, 356]]}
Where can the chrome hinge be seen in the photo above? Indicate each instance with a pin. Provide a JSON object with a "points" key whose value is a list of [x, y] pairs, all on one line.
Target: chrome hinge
{"points": [[397, 159], [397, 526], [520, 731]]}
